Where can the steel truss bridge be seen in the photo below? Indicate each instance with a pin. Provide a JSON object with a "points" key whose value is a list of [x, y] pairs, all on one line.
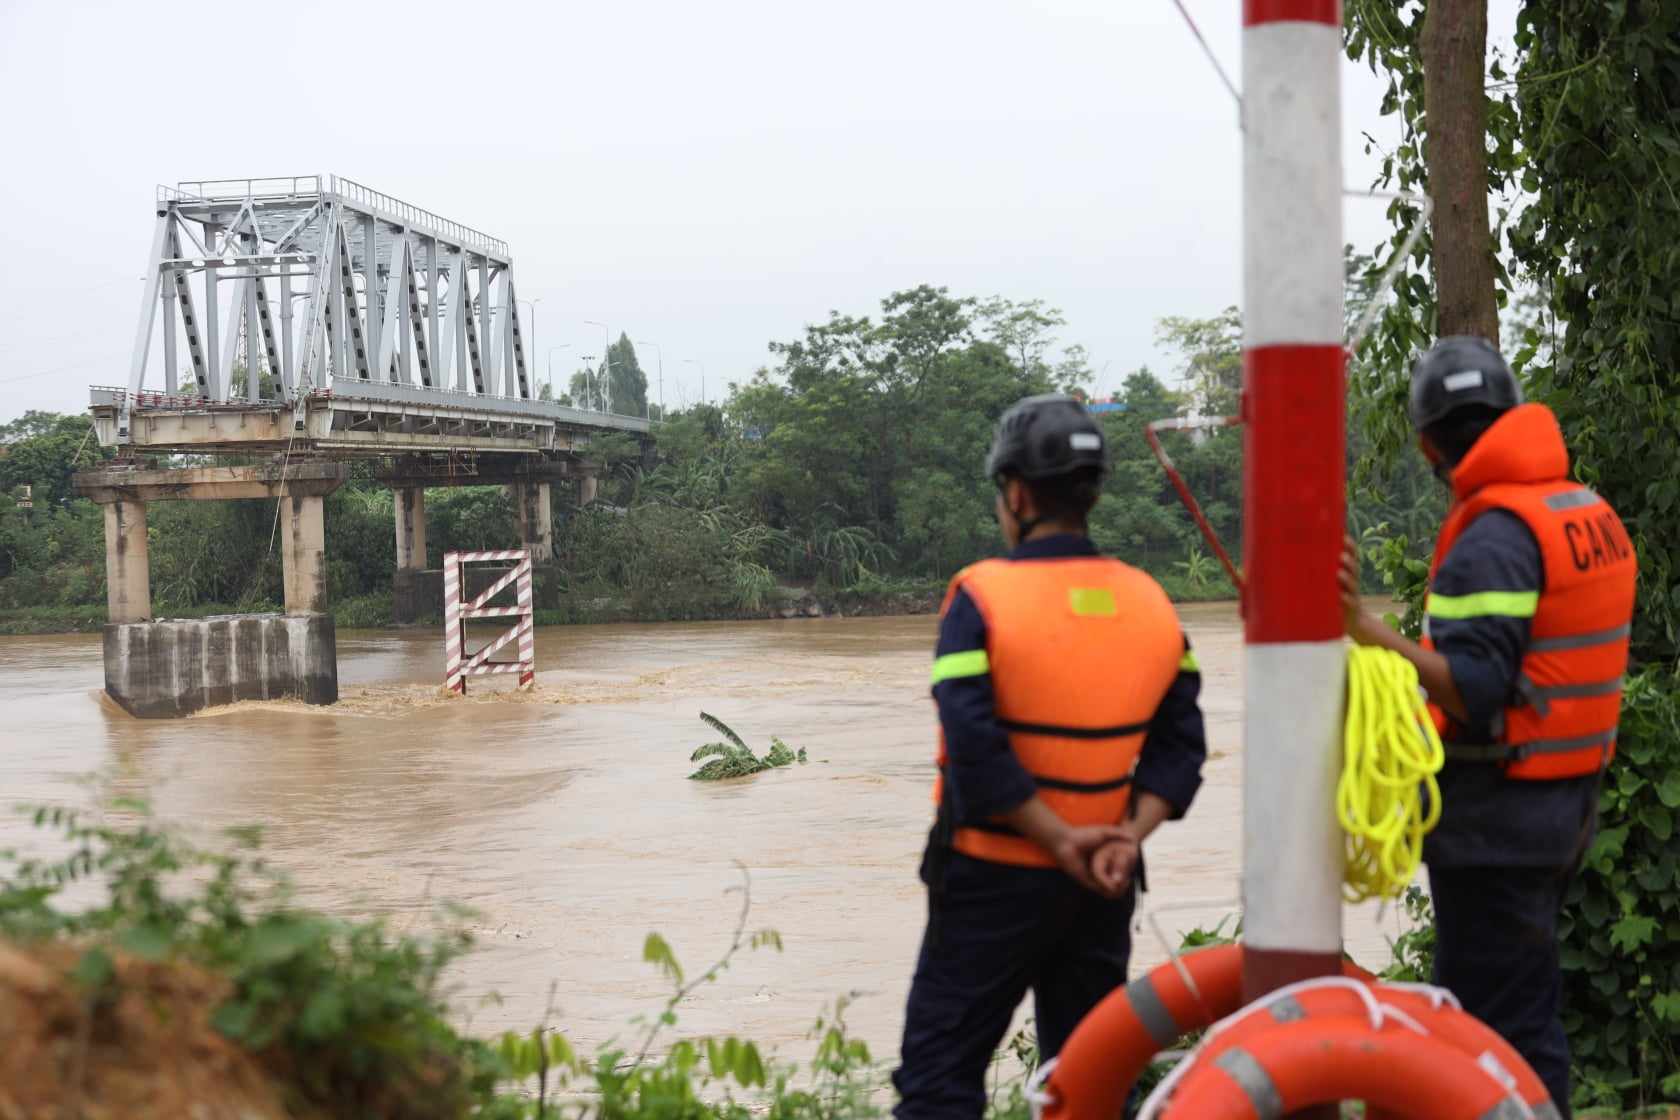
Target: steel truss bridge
{"points": [[316, 315]]}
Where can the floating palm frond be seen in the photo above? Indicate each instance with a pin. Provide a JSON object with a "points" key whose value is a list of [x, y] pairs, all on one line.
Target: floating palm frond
{"points": [[723, 729], [734, 759]]}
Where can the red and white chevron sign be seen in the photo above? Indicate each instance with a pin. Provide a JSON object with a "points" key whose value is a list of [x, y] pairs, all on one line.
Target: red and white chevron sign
{"points": [[458, 663]]}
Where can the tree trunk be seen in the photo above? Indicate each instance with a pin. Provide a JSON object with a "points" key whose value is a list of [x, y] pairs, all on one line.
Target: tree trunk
{"points": [[1455, 150]]}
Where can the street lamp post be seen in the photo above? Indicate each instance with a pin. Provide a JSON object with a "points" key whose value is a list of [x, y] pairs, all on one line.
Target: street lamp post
{"points": [[702, 365], [551, 350], [657, 350], [588, 361], [606, 389]]}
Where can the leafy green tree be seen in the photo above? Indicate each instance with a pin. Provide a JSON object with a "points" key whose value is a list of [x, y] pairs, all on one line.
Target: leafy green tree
{"points": [[1026, 330], [32, 423], [1139, 519], [1600, 236], [587, 389], [626, 383], [1211, 351], [42, 450]]}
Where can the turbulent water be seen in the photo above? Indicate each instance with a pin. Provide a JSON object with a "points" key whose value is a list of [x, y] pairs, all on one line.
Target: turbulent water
{"points": [[563, 817]]}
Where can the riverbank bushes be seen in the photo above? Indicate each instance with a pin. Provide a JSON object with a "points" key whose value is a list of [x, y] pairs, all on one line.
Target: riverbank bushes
{"points": [[193, 984], [326, 1018]]}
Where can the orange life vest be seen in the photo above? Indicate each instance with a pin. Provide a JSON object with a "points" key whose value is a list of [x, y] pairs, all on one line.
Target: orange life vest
{"points": [[1561, 723], [1081, 651]]}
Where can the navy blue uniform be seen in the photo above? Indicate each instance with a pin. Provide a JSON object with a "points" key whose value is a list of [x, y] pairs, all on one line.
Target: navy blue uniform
{"points": [[995, 930], [1502, 855]]}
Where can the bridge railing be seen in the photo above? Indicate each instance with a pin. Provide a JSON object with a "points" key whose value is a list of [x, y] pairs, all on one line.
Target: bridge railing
{"points": [[275, 186], [415, 215], [358, 194]]}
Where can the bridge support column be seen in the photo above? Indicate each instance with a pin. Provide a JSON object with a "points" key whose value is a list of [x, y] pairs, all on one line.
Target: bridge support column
{"points": [[171, 668], [303, 556], [411, 528], [588, 485], [536, 518], [128, 574]]}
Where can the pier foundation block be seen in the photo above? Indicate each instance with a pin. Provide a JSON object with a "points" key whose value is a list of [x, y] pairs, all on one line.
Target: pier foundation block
{"points": [[176, 666]]}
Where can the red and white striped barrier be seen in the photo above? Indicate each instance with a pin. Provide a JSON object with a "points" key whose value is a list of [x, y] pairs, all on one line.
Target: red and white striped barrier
{"points": [[458, 663]]}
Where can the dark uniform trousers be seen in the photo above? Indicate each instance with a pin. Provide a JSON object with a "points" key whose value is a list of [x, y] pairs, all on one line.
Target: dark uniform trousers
{"points": [[995, 932], [1496, 950]]}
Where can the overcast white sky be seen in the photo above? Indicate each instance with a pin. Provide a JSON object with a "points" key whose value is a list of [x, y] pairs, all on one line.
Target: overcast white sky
{"points": [[707, 176]]}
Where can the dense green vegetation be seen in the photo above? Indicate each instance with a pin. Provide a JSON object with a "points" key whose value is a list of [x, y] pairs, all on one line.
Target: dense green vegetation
{"points": [[1582, 159], [848, 469]]}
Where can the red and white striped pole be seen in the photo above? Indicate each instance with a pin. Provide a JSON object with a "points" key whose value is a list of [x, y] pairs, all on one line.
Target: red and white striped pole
{"points": [[1293, 492], [527, 625], [453, 634]]}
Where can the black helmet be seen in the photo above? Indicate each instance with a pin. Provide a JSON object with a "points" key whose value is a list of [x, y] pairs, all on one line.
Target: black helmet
{"points": [[1045, 437], [1458, 371]]}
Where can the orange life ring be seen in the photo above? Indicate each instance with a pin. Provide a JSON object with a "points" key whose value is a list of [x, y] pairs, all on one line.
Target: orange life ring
{"points": [[1470, 1035], [1114, 1043], [1443, 1021], [1296, 1065]]}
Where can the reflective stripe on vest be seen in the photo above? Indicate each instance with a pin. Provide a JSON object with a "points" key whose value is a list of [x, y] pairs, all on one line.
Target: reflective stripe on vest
{"points": [[1506, 604], [1516, 752], [1561, 722], [1538, 695], [968, 663], [1580, 641], [1080, 651]]}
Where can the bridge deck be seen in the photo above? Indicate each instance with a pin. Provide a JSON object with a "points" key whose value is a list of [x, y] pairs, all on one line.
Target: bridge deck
{"points": [[370, 419]]}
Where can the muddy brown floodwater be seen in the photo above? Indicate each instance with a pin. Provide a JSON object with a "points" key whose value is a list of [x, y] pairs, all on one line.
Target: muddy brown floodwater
{"points": [[563, 818]]}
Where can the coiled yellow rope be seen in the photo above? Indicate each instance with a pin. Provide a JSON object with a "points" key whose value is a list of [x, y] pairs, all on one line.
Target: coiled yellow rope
{"points": [[1391, 754]]}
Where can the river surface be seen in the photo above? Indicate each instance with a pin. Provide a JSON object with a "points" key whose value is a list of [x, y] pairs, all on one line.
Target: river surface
{"points": [[562, 817]]}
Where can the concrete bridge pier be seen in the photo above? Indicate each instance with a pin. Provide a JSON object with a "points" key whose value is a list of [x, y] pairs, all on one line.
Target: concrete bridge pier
{"points": [[411, 527], [128, 571], [303, 552], [536, 518], [175, 666]]}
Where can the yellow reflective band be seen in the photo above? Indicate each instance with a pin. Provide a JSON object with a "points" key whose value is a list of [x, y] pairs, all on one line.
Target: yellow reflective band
{"points": [[1092, 602], [1510, 604], [1188, 663], [969, 663]]}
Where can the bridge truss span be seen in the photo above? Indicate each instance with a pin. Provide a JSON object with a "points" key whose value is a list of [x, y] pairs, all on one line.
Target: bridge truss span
{"points": [[321, 281], [369, 320]]}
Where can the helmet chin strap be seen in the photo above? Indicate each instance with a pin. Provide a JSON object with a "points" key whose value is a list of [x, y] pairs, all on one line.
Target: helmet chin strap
{"points": [[1438, 465], [1025, 525]]}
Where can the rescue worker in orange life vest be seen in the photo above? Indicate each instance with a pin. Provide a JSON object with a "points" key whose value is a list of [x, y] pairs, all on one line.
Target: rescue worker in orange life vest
{"points": [[1526, 640], [1069, 730]]}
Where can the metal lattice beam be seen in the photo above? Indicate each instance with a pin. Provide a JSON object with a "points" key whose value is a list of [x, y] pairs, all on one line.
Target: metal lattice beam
{"points": [[387, 293]]}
